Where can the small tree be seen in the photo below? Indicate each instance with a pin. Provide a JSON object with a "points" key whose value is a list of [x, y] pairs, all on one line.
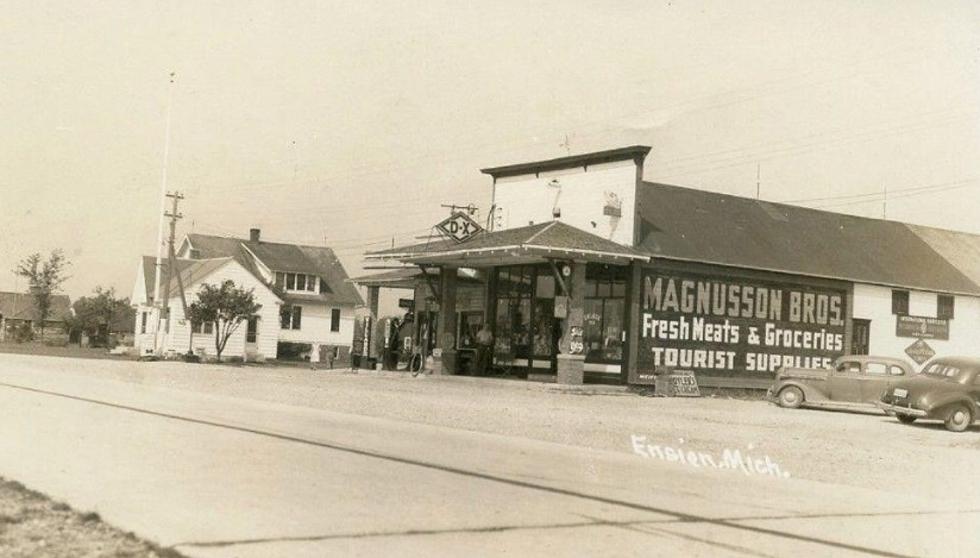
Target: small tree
{"points": [[225, 306], [94, 314], [44, 278]]}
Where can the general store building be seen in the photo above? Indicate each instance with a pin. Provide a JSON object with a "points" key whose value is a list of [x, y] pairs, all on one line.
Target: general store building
{"points": [[589, 273]]}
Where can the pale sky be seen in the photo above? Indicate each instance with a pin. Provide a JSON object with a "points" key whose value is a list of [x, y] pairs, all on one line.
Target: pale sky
{"points": [[350, 122]]}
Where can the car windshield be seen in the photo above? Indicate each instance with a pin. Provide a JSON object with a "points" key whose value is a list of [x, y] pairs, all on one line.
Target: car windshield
{"points": [[943, 370]]}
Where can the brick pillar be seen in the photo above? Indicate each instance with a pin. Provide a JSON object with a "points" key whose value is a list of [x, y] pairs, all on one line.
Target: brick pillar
{"points": [[446, 340], [571, 357]]}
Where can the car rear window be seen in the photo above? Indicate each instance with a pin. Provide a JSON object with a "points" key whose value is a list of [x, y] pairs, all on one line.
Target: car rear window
{"points": [[940, 369]]}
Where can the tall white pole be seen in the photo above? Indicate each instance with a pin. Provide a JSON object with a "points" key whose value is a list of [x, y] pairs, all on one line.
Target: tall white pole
{"points": [[163, 209]]}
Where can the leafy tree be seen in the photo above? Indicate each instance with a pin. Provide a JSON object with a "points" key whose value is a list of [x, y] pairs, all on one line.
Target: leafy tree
{"points": [[225, 306], [94, 315], [44, 279]]}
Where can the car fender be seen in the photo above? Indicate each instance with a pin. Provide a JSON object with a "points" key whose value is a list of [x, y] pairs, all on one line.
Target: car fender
{"points": [[938, 407], [809, 392]]}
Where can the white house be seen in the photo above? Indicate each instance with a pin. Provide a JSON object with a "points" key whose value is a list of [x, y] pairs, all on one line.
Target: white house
{"points": [[307, 303]]}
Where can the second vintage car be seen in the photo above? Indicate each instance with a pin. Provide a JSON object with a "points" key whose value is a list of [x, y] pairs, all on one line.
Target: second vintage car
{"points": [[948, 389], [853, 383]]}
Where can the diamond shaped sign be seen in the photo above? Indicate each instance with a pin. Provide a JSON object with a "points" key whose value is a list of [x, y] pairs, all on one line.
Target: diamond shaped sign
{"points": [[459, 227], [920, 351]]}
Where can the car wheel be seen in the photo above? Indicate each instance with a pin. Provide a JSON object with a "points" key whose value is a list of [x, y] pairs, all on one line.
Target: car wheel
{"points": [[905, 419], [959, 418], [791, 397]]}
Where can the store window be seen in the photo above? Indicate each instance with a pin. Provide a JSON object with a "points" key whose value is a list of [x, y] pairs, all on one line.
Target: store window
{"points": [[605, 305], [860, 337], [945, 307], [900, 303]]}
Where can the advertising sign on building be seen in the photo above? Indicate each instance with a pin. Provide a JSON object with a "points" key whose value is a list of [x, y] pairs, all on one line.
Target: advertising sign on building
{"points": [[921, 327], [726, 327], [459, 227], [920, 351]]}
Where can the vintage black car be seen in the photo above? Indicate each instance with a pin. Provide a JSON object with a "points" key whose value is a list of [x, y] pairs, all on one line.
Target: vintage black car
{"points": [[854, 382], [947, 389]]}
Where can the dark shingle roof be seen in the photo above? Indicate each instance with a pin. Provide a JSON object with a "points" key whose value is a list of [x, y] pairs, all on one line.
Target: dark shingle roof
{"points": [[277, 256], [688, 224], [539, 239], [150, 273], [20, 306]]}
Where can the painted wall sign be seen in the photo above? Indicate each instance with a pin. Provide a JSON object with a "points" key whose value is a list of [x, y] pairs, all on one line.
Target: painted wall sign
{"points": [[920, 351], [921, 327], [576, 346], [723, 327], [459, 227]]}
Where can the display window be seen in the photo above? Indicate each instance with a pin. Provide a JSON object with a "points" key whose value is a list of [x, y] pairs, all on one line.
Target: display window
{"points": [[605, 305]]}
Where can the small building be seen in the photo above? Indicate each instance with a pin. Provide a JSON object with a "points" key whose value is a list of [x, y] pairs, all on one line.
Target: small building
{"points": [[307, 303], [17, 309], [587, 272]]}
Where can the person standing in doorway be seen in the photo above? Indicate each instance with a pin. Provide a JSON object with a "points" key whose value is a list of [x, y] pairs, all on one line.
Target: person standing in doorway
{"points": [[484, 344]]}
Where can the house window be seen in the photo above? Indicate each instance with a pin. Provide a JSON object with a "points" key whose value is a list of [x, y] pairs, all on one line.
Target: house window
{"points": [[207, 328], [335, 319], [298, 282], [252, 332], [290, 317], [323, 286], [143, 322], [945, 307], [900, 303]]}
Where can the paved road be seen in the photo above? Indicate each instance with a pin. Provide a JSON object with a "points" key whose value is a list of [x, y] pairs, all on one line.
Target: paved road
{"points": [[222, 476]]}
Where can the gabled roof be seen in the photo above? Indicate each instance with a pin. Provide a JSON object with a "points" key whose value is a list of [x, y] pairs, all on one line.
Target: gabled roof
{"points": [[190, 272], [20, 306], [694, 225], [959, 248], [550, 240], [277, 256]]}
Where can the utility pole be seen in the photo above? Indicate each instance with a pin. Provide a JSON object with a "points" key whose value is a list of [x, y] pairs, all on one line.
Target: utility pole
{"points": [[758, 179], [174, 215], [566, 144], [884, 203], [163, 206]]}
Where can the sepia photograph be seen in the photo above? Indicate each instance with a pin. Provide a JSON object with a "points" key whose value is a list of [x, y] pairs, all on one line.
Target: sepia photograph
{"points": [[309, 278]]}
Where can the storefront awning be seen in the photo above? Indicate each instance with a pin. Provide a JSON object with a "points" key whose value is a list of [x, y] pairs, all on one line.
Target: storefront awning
{"points": [[531, 244]]}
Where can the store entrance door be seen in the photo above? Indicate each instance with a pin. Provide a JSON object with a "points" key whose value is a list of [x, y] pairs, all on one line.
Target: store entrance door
{"points": [[525, 338]]}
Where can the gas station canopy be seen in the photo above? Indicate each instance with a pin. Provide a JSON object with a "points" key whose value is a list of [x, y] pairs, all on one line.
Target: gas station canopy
{"points": [[525, 245]]}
